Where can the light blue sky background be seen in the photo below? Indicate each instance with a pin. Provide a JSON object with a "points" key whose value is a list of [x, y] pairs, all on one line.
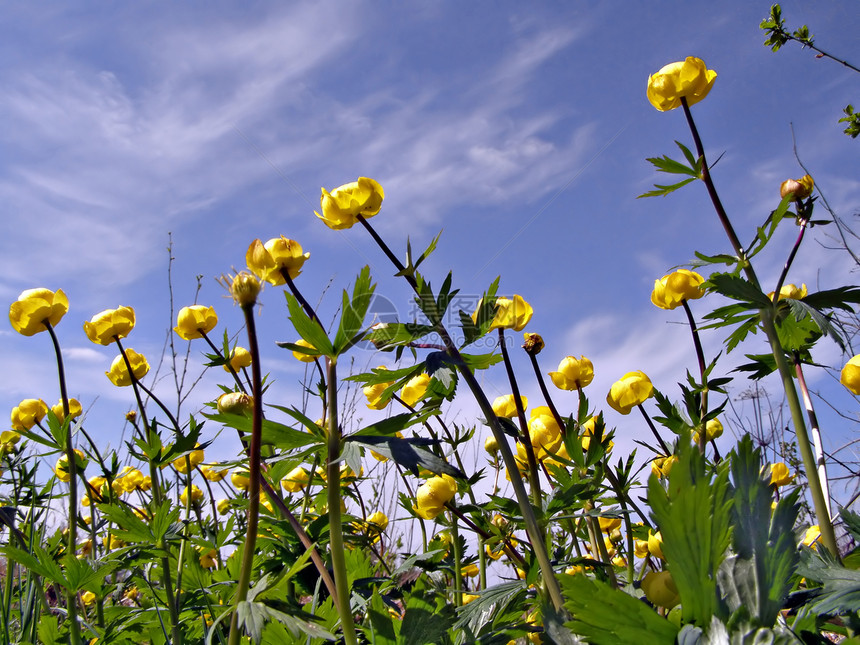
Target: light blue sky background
{"points": [[520, 129]]}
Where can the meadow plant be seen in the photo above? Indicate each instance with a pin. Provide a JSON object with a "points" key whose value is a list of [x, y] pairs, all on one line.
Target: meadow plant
{"points": [[286, 544]]}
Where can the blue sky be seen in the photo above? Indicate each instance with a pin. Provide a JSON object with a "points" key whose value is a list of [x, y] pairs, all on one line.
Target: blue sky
{"points": [[519, 129]]}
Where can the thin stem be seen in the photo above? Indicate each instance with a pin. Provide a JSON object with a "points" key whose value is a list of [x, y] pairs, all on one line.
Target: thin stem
{"points": [[790, 258], [650, 423], [816, 431], [700, 355]]}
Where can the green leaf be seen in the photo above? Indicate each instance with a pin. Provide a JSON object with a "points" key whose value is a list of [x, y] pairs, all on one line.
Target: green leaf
{"points": [[423, 623], [40, 562], [737, 288], [668, 165], [273, 433], [841, 592], [388, 335], [608, 616], [353, 311], [308, 329], [795, 333], [408, 453], [693, 516], [48, 629], [665, 189], [382, 628]]}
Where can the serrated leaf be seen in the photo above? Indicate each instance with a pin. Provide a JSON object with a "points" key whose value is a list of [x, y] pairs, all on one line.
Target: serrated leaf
{"points": [[308, 329], [423, 624], [737, 288], [663, 190], [391, 334], [669, 165], [353, 311], [608, 616]]}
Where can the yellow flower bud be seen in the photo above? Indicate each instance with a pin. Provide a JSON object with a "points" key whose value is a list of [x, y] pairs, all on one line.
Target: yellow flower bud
{"points": [[432, 495], [573, 373], [660, 589], [118, 373], [244, 287], [505, 406], [235, 403], [491, 445], [790, 291], [633, 389], [195, 457], [195, 321], [673, 289], [296, 480], [415, 389], [798, 188], [850, 376], [239, 358], [27, 413]]}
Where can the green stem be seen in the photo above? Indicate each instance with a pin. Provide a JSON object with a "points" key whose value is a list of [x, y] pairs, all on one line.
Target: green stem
{"points": [[253, 475], [828, 535], [816, 431], [700, 355], [338, 561]]}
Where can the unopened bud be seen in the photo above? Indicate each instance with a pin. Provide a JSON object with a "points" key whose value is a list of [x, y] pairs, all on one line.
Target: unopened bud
{"points": [[533, 344], [235, 403], [245, 288], [491, 445], [799, 188]]}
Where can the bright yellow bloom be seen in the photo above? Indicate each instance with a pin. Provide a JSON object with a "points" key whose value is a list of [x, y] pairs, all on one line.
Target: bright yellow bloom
{"points": [[88, 598], [133, 480], [713, 430], [241, 479], [660, 589], [194, 321], [780, 475], [208, 558], [790, 291], [799, 188], [131, 594], [544, 432], [239, 358], [415, 389], [655, 544], [609, 524], [296, 480], [432, 495], [632, 389], [470, 570], [34, 307], [673, 289], [278, 254], [196, 458], [466, 598], [223, 505], [573, 373], [196, 495], [850, 376], [505, 406], [235, 403], [640, 548], [301, 356], [27, 413], [113, 542], [378, 521], [810, 538], [61, 470], [75, 410], [8, 439], [118, 373], [244, 287], [212, 473], [689, 79], [374, 395], [109, 324], [662, 466], [587, 433], [342, 206], [510, 313]]}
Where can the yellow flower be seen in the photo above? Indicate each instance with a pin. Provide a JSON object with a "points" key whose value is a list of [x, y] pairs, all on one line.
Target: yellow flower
{"points": [[655, 544], [75, 410], [239, 358], [296, 480], [235, 403], [35, 307], [432, 495], [510, 314], [689, 79], [588, 432], [85, 549], [118, 373], [713, 430], [196, 495], [544, 432], [662, 466], [810, 538], [673, 289], [212, 473], [374, 395], [640, 548], [469, 597], [27, 413], [109, 324], [133, 480], [195, 457], [660, 589], [88, 598], [790, 291], [470, 570], [377, 521], [632, 389], [208, 558], [505, 406], [799, 188], [573, 373], [850, 376], [303, 357], [491, 445], [342, 206], [61, 470], [415, 389], [223, 505], [241, 479], [131, 594], [8, 439], [499, 550], [194, 321], [269, 259], [609, 524], [780, 475], [113, 542]]}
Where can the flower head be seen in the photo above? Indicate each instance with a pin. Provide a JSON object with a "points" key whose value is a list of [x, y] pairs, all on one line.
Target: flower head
{"points": [[75, 410], [780, 475], [374, 395], [235, 403], [415, 389], [689, 79], [196, 495], [632, 389], [544, 432], [27, 413], [110, 324], [850, 376], [35, 307], [118, 373], [244, 287], [194, 321], [660, 589], [342, 206], [239, 358], [791, 291], [511, 313], [573, 373], [798, 188], [533, 344], [296, 480], [302, 356], [432, 495], [505, 406], [213, 473], [195, 457], [241, 479], [673, 289], [713, 430], [268, 260], [61, 469]]}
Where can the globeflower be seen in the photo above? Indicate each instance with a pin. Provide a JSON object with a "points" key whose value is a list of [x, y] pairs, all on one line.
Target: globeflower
{"points": [[109, 325], [268, 260], [118, 373], [295, 480], [505, 406], [244, 287], [632, 389], [374, 394], [673, 289], [196, 495], [61, 469], [342, 206], [790, 291], [235, 403], [241, 479], [780, 475], [432, 495], [544, 432], [573, 373], [35, 307], [239, 358], [415, 389], [75, 410], [511, 313], [798, 188], [689, 79], [195, 321], [660, 589], [850, 376], [195, 457], [27, 413], [713, 430], [301, 356], [213, 473]]}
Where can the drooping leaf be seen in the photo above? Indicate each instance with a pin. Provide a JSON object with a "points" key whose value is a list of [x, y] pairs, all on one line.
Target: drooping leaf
{"points": [[407, 453]]}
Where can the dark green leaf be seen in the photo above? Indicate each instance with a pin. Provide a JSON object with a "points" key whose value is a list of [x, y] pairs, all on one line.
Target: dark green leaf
{"points": [[737, 288], [663, 190], [308, 329]]}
